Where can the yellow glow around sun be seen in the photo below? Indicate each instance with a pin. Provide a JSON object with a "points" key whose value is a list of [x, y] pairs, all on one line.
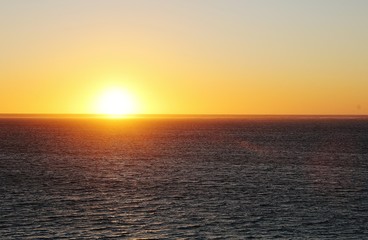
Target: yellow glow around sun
{"points": [[116, 102]]}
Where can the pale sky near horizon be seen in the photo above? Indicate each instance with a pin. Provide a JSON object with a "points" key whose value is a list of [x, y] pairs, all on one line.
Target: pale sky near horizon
{"points": [[188, 56]]}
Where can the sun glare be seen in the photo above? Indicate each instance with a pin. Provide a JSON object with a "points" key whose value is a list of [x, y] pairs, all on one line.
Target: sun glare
{"points": [[116, 102]]}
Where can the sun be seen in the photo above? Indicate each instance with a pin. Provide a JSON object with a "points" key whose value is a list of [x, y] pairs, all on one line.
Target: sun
{"points": [[115, 102]]}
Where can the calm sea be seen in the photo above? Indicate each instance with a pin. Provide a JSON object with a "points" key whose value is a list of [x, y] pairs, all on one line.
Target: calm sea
{"points": [[240, 178]]}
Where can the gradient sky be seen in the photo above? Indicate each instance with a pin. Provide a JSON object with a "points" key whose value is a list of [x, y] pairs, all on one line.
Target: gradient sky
{"points": [[187, 56]]}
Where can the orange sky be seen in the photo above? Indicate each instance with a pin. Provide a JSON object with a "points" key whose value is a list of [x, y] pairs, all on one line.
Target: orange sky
{"points": [[190, 57]]}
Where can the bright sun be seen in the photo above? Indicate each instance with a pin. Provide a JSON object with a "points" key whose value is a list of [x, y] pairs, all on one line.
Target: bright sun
{"points": [[116, 102]]}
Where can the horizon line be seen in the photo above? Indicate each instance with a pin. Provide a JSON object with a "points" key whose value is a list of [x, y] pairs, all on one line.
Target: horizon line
{"points": [[133, 116]]}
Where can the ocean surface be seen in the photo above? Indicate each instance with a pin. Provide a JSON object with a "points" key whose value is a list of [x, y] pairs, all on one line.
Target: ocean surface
{"points": [[184, 178]]}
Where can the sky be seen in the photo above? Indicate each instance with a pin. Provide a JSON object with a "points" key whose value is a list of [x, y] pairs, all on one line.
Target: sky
{"points": [[185, 56]]}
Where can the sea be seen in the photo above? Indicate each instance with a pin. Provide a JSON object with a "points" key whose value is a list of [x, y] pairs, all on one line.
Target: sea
{"points": [[288, 177]]}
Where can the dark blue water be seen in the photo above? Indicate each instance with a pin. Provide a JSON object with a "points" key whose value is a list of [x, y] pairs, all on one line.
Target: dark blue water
{"points": [[184, 178]]}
